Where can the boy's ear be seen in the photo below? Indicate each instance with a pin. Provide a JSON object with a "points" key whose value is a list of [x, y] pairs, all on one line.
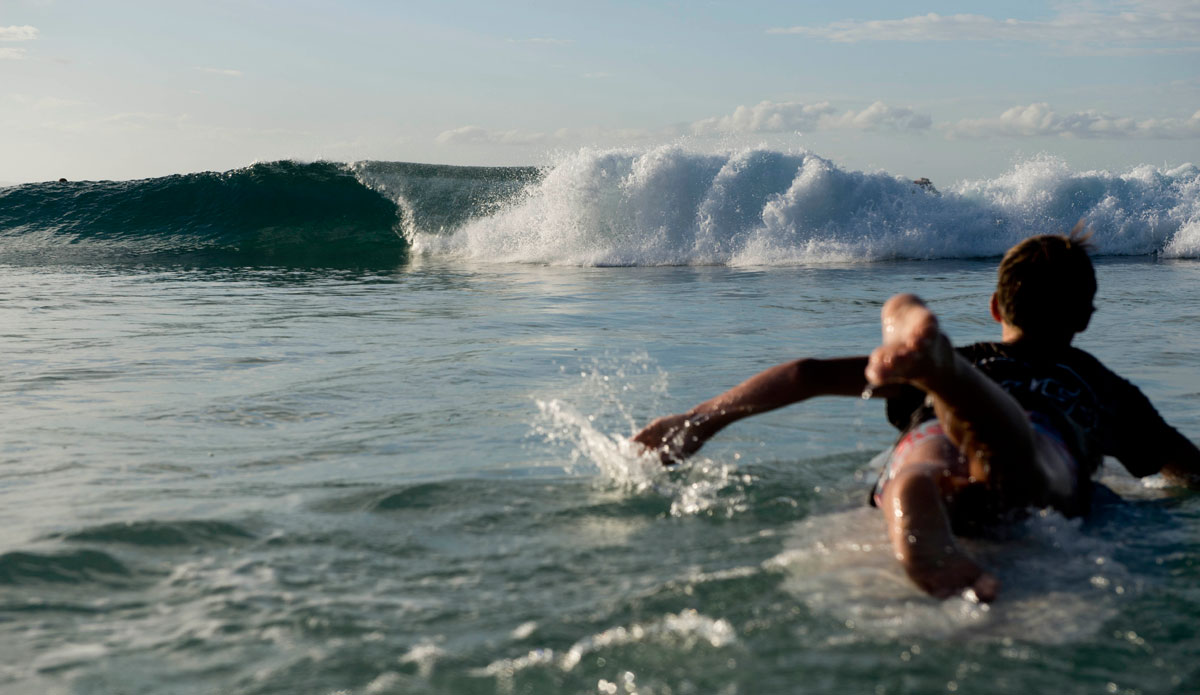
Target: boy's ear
{"points": [[995, 307]]}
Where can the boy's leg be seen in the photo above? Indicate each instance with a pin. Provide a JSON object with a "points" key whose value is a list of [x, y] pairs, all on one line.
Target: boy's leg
{"points": [[914, 507], [988, 439], [988, 425]]}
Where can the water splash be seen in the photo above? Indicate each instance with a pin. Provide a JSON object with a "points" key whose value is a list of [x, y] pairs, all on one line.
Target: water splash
{"points": [[593, 420]]}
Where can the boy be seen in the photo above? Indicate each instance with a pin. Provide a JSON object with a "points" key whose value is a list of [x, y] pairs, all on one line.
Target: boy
{"points": [[990, 429]]}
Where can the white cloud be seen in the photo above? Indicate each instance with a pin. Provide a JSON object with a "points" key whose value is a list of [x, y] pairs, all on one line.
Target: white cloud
{"points": [[141, 120], [55, 117], [1040, 120], [544, 41], [43, 103], [766, 117], [1107, 25], [220, 71], [782, 117], [16, 33], [475, 135], [21, 33], [1033, 120], [880, 116]]}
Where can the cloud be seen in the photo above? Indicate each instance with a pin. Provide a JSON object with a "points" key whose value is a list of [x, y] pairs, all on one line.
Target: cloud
{"points": [[1039, 119], [1113, 25], [544, 41], [766, 117], [220, 71], [782, 117], [1033, 120], [55, 118], [43, 103], [880, 116], [15, 33], [141, 120], [475, 135]]}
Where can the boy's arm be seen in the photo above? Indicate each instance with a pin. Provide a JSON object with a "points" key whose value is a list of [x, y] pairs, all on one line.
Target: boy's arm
{"points": [[1182, 458], [1147, 444], [676, 437]]}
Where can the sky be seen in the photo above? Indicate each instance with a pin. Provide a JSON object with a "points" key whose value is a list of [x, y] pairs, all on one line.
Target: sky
{"points": [[950, 90]]}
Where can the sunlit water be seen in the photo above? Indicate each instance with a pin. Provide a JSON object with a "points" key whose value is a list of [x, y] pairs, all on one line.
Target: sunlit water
{"points": [[415, 481]]}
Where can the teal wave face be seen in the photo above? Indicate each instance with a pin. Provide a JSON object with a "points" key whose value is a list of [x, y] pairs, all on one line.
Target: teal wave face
{"points": [[438, 198], [279, 212]]}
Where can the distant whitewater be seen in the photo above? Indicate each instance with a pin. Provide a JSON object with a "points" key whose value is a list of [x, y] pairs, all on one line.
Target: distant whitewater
{"points": [[662, 206], [669, 206]]}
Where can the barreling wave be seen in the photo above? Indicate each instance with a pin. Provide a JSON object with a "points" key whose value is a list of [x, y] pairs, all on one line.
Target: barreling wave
{"points": [[282, 212], [658, 206], [279, 212], [669, 206]]}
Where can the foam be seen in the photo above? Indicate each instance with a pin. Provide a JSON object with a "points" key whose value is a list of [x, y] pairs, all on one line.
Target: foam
{"points": [[684, 630], [1060, 584], [673, 206], [596, 444]]}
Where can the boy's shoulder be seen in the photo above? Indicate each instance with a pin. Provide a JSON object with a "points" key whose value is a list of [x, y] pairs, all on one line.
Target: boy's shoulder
{"points": [[1032, 353], [1076, 368]]}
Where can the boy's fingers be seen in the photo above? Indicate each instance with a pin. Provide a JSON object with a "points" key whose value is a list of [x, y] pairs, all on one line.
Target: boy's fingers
{"points": [[669, 438]]}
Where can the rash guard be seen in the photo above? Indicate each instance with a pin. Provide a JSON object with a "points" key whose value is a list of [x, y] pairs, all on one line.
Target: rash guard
{"points": [[1096, 412]]}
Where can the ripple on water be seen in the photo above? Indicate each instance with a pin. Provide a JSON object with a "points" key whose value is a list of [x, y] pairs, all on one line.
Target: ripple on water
{"points": [[160, 533], [75, 566]]}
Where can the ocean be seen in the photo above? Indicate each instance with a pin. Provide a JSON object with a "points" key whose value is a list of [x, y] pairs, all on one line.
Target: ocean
{"points": [[362, 428]]}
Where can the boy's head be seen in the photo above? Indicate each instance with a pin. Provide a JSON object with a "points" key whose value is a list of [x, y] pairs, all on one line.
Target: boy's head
{"points": [[1046, 284]]}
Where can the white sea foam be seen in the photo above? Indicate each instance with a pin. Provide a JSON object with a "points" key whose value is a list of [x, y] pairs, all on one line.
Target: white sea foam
{"points": [[1059, 584], [685, 630], [672, 206], [580, 420]]}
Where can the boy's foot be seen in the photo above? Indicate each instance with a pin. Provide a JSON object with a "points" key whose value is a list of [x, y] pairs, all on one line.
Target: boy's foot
{"points": [[914, 349]]}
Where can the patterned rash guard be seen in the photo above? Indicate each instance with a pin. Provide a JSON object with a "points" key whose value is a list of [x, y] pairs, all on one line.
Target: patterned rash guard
{"points": [[1096, 412]]}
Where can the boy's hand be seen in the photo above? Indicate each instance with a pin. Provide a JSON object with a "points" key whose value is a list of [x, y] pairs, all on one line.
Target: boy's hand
{"points": [[673, 438]]}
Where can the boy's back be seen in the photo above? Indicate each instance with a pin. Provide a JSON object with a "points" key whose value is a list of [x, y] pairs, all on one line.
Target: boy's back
{"points": [[1100, 413]]}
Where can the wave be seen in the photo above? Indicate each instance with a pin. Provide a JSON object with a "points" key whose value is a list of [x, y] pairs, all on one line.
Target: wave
{"points": [[160, 533], [72, 567], [670, 206], [438, 199], [279, 212], [657, 206]]}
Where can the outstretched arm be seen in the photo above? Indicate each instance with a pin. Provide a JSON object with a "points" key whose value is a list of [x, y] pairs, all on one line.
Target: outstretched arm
{"points": [[1182, 462], [676, 437], [1151, 445]]}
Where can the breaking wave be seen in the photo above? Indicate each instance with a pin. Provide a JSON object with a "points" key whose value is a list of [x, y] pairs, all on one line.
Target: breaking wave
{"points": [[659, 206]]}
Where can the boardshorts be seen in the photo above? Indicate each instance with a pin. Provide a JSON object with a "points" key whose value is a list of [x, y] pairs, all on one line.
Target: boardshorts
{"points": [[932, 428]]}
